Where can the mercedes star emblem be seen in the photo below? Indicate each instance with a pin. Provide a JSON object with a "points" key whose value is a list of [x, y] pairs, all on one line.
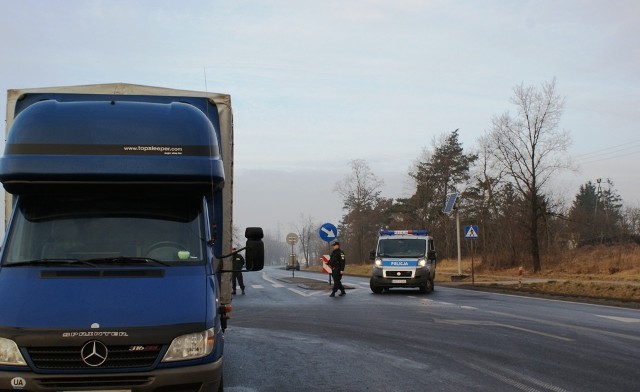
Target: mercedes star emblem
{"points": [[94, 353]]}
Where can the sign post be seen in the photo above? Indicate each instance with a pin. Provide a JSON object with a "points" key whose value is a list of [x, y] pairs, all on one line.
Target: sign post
{"points": [[449, 206], [471, 233], [292, 239]]}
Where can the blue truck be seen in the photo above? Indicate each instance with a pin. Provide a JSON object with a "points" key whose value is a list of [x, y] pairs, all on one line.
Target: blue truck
{"points": [[115, 271]]}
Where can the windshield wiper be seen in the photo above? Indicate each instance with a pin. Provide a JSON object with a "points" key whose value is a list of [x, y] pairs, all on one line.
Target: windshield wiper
{"points": [[49, 262], [127, 260]]}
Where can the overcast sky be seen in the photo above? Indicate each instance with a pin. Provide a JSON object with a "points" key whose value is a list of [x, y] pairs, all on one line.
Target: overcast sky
{"points": [[315, 84]]}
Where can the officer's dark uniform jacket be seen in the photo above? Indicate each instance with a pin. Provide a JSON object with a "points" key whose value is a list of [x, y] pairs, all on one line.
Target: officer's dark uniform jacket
{"points": [[336, 261], [238, 262]]}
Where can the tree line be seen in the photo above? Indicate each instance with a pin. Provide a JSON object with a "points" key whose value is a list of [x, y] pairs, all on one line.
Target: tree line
{"points": [[503, 188]]}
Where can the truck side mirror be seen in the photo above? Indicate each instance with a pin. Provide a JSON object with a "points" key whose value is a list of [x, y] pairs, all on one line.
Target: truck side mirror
{"points": [[254, 249], [431, 255], [372, 255]]}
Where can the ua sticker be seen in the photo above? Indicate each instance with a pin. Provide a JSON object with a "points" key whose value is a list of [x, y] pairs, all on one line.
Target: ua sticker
{"points": [[18, 382]]}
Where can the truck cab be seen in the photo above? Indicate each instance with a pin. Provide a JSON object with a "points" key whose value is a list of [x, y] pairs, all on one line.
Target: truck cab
{"points": [[115, 269], [403, 258]]}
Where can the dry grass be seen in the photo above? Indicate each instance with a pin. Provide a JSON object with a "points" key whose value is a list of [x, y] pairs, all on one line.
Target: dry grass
{"points": [[609, 272]]}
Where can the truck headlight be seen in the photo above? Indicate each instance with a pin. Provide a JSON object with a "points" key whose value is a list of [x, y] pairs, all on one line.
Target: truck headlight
{"points": [[422, 262], [191, 346], [10, 353]]}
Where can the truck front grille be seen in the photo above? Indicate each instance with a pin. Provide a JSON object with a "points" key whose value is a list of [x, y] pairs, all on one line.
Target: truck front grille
{"points": [[70, 358]]}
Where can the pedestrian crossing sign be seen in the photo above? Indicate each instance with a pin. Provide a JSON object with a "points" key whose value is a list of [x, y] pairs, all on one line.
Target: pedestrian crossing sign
{"points": [[471, 232]]}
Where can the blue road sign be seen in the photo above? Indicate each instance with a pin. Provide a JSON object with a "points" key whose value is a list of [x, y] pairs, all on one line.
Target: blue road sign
{"points": [[328, 232], [471, 232]]}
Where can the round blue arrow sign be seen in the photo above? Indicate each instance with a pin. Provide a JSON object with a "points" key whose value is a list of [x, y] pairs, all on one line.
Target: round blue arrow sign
{"points": [[328, 232]]}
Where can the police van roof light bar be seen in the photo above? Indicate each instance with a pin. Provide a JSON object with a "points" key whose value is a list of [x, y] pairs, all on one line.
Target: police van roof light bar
{"points": [[403, 232]]}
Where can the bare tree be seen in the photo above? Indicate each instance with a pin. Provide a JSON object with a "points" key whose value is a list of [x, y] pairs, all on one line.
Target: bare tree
{"points": [[632, 221], [361, 193], [485, 195], [307, 232], [531, 148]]}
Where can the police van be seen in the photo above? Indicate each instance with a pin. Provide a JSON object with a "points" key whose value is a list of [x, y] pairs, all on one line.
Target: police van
{"points": [[403, 258]]}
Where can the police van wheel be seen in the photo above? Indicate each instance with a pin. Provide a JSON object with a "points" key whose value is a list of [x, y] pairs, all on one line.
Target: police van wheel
{"points": [[428, 287], [374, 288]]}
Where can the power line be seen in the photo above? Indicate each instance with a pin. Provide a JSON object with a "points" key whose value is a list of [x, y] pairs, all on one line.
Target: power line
{"points": [[617, 151]]}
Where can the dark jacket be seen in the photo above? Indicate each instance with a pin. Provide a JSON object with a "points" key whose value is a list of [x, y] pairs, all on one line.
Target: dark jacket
{"points": [[238, 262], [337, 260]]}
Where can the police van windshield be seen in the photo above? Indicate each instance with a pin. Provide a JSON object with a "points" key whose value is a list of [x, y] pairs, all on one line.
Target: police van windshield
{"points": [[98, 229], [414, 247]]}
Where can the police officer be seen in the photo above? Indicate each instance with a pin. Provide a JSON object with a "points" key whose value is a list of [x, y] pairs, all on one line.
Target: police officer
{"points": [[238, 264], [337, 263]]}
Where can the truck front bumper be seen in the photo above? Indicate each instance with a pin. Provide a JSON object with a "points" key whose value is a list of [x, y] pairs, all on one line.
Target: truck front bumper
{"points": [[419, 279], [199, 378]]}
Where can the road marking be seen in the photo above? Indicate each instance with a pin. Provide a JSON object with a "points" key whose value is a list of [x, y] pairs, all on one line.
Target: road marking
{"points": [[494, 324], [268, 279], [278, 285], [510, 378], [621, 319], [257, 286], [574, 327], [304, 294]]}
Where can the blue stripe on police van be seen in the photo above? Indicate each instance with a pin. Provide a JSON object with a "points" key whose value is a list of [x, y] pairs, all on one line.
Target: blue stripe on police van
{"points": [[399, 263]]}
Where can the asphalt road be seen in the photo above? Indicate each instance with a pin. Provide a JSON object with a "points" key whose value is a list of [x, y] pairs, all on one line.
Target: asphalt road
{"points": [[286, 336]]}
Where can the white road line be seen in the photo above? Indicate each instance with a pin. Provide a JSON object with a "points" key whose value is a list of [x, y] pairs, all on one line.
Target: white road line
{"points": [[257, 286], [511, 379], [268, 279], [621, 319], [495, 324], [304, 294]]}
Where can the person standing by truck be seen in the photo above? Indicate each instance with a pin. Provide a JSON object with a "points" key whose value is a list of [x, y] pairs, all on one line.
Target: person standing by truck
{"points": [[337, 264], [238, 264]]}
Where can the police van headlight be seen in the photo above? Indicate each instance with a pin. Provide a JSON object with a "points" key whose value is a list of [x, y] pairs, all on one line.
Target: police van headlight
{"points": [[191, 346], [422, 262], [10, 353], [378, 262]]}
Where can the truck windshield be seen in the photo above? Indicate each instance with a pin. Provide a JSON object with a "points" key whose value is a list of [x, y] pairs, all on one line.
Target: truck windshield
{"points": [[402, 247], [95, 230]]}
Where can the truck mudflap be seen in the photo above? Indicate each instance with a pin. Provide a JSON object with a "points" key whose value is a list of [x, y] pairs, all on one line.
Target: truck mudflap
{"points": [[199, 378]]}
